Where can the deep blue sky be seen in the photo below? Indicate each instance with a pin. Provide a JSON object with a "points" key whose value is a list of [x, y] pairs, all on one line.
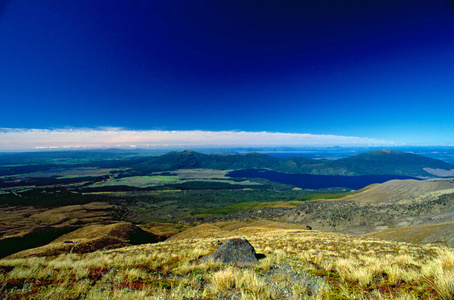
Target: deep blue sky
{"points": [[378, 69]]}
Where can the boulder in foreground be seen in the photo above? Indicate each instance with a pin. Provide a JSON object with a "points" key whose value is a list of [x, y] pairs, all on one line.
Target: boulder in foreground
{"points": [[236, 251]]}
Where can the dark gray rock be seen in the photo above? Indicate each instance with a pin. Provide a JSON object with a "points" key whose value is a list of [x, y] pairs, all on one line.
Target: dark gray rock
{"points": [[236, 251]]}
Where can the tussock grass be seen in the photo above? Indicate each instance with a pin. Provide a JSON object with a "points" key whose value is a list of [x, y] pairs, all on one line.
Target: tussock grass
{"points": [[224, 280], [299, 264], [444, 285]]}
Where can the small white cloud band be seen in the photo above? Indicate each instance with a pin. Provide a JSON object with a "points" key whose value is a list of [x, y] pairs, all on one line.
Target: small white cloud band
{"points": [[12, 138]]}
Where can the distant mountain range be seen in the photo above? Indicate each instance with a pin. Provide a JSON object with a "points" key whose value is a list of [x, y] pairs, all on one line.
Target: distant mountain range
{"points": [[380, 162]]}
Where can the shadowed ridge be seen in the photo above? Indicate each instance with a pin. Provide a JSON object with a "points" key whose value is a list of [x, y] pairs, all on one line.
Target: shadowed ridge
{"points": [[29, 227], [92, 238]]}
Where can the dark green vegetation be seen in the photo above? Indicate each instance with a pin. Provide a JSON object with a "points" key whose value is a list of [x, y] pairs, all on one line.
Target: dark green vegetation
{"points": [[39, 237], [188, 205], [317, 182], [276, 200], [48, 197], [388, 162]]}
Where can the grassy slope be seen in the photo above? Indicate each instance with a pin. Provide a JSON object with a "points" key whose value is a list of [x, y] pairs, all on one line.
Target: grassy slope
{"points": [[27, 227], [18, 221], [422, 234], [298, 264], [396, 191], [91, 238]]}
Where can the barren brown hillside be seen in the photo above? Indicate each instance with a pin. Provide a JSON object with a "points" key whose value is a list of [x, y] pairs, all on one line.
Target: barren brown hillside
{"points": [[441, 233], [398, 203], [395, 191]]}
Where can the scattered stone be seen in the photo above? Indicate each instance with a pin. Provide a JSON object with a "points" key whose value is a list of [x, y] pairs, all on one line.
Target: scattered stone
{"points": [[71, 242], [236, 251]]}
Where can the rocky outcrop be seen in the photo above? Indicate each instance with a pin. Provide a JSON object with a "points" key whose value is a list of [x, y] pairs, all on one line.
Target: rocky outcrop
{"points": [[359, 218], [235, 251], [264, 213]]}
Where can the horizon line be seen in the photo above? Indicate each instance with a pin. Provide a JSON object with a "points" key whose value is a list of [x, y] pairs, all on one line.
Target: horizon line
{"points": [[114, 137]]}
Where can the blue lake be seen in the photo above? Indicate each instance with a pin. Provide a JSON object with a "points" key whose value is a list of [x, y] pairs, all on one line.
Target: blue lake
{"points": [[306, 181]]}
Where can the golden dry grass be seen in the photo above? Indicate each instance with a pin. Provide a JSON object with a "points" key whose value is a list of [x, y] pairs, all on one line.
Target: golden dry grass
{"points": [[86, 239], [299, 264], [94, 212], [163, 230], [402, 190], [21, 220], [420, 234]]}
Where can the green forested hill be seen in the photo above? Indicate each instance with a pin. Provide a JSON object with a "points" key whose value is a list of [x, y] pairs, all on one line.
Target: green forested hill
{"points": [[380, 162], [189, 159], [388, 162]]}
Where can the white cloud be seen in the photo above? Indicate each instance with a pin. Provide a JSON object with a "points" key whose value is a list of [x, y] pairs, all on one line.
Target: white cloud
{"points": [[117, 137]]}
